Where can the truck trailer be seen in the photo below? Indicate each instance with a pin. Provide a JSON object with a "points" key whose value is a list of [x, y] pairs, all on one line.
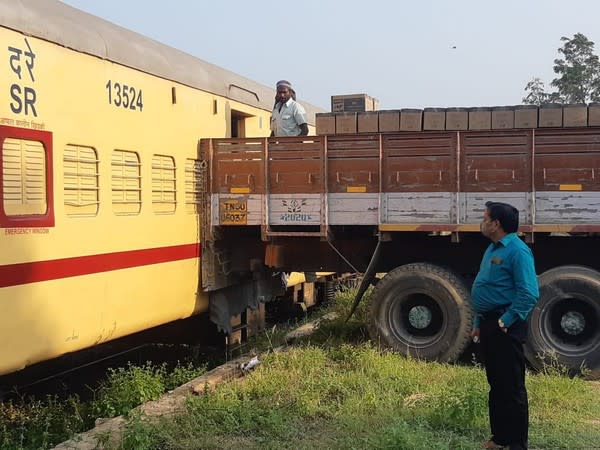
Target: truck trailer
{"points": [[408, 204]]}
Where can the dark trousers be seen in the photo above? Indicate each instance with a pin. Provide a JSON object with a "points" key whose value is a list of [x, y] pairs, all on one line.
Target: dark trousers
{"points": [[505, 370]]}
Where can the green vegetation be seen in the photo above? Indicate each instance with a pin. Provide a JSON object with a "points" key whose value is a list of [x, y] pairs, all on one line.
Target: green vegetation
{"points": [[333, 390], [578, 75], [32, 424], [354, 396], [330, 333]]}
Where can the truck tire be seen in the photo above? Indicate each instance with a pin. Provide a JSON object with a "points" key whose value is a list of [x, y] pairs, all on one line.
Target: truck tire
{"points": [[566, 320], [421, 310]]}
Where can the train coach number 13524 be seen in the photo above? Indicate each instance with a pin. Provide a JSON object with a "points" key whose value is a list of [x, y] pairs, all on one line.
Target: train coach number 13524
{"points": [[124, 96]]}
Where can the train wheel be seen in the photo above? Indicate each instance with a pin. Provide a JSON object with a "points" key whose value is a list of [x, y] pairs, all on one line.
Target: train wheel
{"points": [[421, 310], [566, 320]]}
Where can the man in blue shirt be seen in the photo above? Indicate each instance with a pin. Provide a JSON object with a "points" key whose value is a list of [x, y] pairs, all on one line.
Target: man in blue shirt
{"points": [[503, 294]]}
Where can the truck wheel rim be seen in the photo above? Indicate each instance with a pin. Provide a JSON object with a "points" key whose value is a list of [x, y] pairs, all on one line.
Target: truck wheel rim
{"points": [[416, 319], [570, 326]]}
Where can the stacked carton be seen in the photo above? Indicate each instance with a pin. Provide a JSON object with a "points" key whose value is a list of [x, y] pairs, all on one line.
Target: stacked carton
{"points": [[354, 117]]}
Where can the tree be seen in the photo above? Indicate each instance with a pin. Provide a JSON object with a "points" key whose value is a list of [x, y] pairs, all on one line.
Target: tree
{"points": [[578, 71], [537, 94]]}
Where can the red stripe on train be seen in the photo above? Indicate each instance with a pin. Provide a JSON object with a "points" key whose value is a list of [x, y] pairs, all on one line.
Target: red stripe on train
{"points": [[32, 272]]}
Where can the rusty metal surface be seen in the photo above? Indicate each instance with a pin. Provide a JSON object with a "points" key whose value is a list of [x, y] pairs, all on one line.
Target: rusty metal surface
{"points": [[354, 208], [498, 161], [573, 208], [296, 165], [238, 166], [418, 207], [353, 163], [410, 179], [310, 253], [419, 162], [567, 157]]}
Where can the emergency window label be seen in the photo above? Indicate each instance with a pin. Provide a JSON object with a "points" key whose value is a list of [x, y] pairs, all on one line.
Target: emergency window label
{"points": [[233, 211], [21, 60]]}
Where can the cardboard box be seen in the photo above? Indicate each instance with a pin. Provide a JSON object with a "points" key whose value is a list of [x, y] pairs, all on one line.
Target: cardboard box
{"points": [[389, 121], [457, 119], [526, 116], [411, 119], [368, 122], [325, 123], [594, 114], [434, 119], [575, 115], [550, 115], [345, 123], [503, 117], [353, 103], [480, 118]]}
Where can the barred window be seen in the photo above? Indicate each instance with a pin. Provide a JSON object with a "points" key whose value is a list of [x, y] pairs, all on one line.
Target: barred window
{"points": [[164, 197], [81, 185], [195, 171], [23, 177], [126, 182]]}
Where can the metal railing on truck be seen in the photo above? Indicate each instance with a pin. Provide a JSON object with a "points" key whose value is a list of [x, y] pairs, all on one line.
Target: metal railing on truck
{"points": [[425, 181]]}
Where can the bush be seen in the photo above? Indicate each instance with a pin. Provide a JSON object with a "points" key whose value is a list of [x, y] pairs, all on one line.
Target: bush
{"points": [[32, 423], [127, 387]]}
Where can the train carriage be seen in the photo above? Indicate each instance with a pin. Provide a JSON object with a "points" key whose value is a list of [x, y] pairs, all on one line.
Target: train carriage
{"points": [[100, 178]]}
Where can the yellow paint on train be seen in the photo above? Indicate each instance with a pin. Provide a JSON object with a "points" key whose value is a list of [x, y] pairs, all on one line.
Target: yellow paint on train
{"points": [[80, 99]]}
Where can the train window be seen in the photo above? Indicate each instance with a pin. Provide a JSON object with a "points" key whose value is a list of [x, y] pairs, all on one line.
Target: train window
{"points": [[195, 181], [126, 182], [24, 181], [164, 196], [81, 181]]}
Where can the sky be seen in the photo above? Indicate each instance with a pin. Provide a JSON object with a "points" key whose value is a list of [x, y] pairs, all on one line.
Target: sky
{"points": [[407, 54]]}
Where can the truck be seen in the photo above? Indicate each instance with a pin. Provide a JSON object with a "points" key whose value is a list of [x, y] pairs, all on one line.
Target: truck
{"points": [[408, 204]]}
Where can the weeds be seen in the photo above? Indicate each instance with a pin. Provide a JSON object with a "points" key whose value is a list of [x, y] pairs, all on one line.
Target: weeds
{"points": [[127, 387], [354, 396], [32, 424], [40, 423], [335, 390]]}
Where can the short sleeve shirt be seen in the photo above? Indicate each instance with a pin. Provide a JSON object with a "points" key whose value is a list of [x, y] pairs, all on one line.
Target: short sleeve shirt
{"points": [[287, 121]]}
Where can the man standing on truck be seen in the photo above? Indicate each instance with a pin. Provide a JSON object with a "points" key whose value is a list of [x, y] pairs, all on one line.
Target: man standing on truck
{"points": [[288, 117], [503, 294]]}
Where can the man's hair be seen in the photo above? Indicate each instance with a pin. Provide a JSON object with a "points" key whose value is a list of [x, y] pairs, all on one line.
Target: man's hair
{"points": [[506, 214]]}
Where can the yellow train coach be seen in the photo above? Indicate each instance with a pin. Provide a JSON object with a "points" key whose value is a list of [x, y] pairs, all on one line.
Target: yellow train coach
{"points": [[100, 178]]}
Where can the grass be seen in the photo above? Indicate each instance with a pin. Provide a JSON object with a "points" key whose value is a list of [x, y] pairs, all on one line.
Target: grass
{"points": [[337, 391], [333, 390], [42, 423], [354, 396], [330, 333]]}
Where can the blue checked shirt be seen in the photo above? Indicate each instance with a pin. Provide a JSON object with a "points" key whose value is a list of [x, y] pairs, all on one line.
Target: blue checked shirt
{"points": [[506, 280]]}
